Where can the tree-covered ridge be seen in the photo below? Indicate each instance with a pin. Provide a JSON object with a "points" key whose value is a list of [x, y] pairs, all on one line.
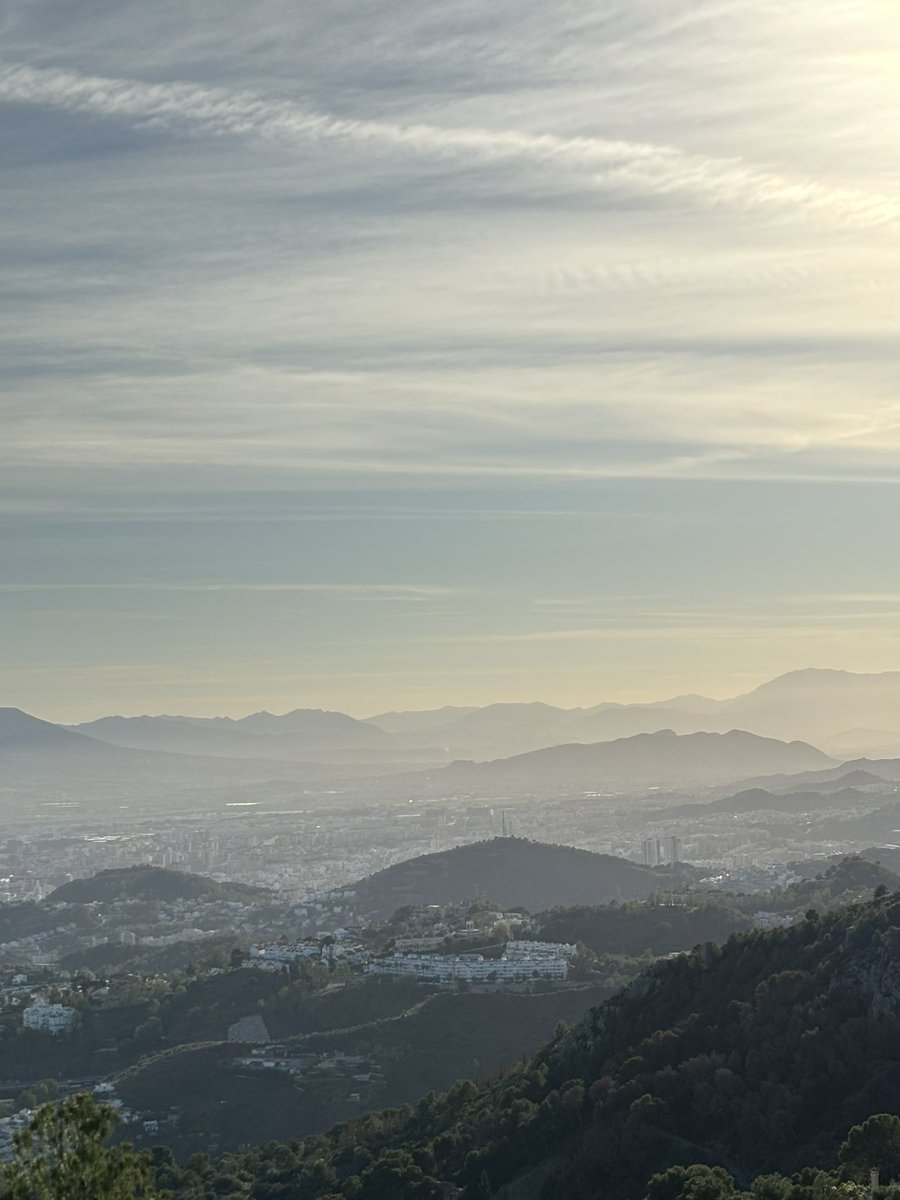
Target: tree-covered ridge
{"points": [[846, 880], [152, 883], [638, 928], [515, 872], [757, 1056], [62, 1156], [670, 923]]}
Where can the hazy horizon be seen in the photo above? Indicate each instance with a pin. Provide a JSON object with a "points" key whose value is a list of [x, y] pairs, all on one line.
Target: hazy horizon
{"points": [[275, 710]]}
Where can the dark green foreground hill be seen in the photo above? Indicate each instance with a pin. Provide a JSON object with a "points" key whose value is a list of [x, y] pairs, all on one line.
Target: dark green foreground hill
{"points": [[759, 1056]]}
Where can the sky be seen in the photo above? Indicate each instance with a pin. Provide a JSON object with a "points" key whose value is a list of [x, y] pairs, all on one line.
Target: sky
{"points": [[381, 356]]}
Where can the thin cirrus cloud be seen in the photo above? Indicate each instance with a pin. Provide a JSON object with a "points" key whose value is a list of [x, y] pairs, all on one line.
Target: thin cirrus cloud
{"points": [[629, 166], [387, 590]]}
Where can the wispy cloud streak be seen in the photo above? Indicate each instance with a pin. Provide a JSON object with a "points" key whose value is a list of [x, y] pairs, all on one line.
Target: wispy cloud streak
{"points": [[603, 163], [398, 591]]}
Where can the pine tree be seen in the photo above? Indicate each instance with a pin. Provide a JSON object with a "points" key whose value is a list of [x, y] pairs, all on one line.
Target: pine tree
{"points": [[62, 1156]]}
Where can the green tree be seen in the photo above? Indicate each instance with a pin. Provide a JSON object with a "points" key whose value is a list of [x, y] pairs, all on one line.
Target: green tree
{"points": [[875, 1143], [62, 1156], [770, 1187], [39, 1093], [697, 1182]]}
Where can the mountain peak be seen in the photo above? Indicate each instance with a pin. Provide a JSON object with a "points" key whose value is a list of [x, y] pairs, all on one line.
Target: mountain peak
{"points": [[19, 729]]}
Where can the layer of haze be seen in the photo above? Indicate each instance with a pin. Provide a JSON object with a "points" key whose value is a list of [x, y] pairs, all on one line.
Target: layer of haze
{"points": [[383, 356]]}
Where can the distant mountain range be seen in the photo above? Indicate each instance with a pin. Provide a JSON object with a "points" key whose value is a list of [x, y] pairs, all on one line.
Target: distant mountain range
{"points": [[845, 714], [261, 735], [45, 767], [650, 759], [763, 739], [512, 872], [70, 763]]}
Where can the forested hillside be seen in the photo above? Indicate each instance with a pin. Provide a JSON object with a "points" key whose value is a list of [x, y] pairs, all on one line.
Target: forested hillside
{"points": [[636, 928], [758, 1056], [513, 872]]}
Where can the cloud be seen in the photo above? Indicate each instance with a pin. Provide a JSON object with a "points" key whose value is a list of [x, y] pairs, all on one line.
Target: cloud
{"points": [[394, 591], [634, 167], [487, 302]]}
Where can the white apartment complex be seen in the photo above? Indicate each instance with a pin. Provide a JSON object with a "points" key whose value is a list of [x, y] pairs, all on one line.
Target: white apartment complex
{"points": [[49, 1018], [469, 968], [540, 950]]}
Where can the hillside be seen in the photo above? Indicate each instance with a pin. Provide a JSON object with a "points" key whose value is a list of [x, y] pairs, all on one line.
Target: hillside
{"points": [[151, 883], [758, 1056], [635, 929], [886, 856], [663, 758], [844, 881], [879, 825], [419, 1049], [512, 872]]}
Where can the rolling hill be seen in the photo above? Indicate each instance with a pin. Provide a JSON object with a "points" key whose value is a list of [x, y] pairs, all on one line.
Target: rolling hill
{"points": [[151, 883], [512, 872]]}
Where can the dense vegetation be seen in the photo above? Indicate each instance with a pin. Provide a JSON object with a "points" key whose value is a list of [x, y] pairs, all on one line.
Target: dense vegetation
{"points": [[62, 1156], [756, 1057], [668, 924], [842, 882], [636, 928]]}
